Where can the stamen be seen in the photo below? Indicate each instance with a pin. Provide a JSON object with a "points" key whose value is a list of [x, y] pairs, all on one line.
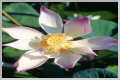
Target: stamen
{"points": [[56, 43]]}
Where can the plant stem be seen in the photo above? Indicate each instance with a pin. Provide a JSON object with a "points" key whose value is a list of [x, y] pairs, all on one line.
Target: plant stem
{"points": [[11, 18]]}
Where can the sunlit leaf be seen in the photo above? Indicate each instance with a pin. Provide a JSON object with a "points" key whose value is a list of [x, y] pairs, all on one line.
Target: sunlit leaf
{"points": [[112, 68]]}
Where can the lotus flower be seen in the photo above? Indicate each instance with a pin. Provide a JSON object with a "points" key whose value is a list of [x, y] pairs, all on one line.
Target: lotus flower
{"points": [[58, 45]]}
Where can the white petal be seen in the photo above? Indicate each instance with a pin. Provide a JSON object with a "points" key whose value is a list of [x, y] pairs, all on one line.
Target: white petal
{"points": [[19, 44], [81, 47], [67, 60], [97, 43], [78, 27], [51, 55], [102, 42], [50, 21], [30, 60], [84, 51], [22, 32]]}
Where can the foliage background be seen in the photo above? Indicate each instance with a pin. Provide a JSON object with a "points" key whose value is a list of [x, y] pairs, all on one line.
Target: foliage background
{"points": [[104, 65]]}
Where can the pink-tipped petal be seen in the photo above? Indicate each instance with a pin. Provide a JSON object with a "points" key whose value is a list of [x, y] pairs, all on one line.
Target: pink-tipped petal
{"points": [[101, 42], [22, 32], [19, 44], [50, 21], [82, 49], [67, 60], [30, 60], [78, 27], [93, 53]]}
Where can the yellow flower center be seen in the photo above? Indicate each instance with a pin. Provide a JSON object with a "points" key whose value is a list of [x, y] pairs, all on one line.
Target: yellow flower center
{"points": [[56, 42]]}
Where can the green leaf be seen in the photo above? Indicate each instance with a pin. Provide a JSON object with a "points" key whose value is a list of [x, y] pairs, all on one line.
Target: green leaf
{"points": [[112, 68], [103, 14], [23, 75], [116, 36], [106, 53], [53, 71], [106, 58], [23, 13], [5, 23], [114, 49], [101, 28], [94, 73], [6, 38], [11, 52]]}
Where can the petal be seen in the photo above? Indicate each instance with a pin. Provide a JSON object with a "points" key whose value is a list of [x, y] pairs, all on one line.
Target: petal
{"points": [[35, 43], [51, 54], [30, 60], [82, 48], [98, 43], [19, 44], [67, 60], [50, 21], [84, 51], [78, 27], [22, 32]]}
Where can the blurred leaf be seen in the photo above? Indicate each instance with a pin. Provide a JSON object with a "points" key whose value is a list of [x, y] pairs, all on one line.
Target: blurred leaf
{"points": [[116, 36], [58, 8], [23, 75], [114, 49], [105, 53], [103, 14], [106, 58], [94, 73], [53, 71], [101, 28], [21, 8], [23, 13], [112, 68], [11, 52]]}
